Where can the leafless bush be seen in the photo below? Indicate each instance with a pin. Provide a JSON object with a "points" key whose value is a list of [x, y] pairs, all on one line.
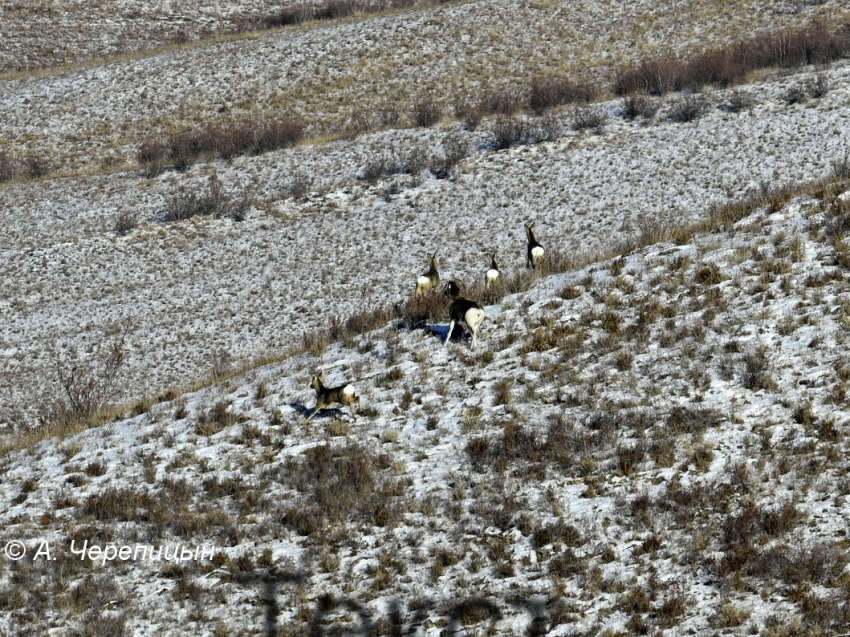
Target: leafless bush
{"points": [[383, 165], [549, 128], [121, 504], [738, 101], [455, 149], [692, 420], [426, 111], [818, 86], [298, 185], [338, 483], [152, 155], [35, 164], [589, 117], [689, 108], [276, 133], [756, 374], [635, 106], [226, 140], [8, 168], [304, 12], [511, 131], [504, 102], [470, 112], [557, 532], [83, 388], [333, 9], [547, 92], [814, 43], [795, 95], [125, 222], [841, 167], [656, 76], [187, 204], [295, 14]]}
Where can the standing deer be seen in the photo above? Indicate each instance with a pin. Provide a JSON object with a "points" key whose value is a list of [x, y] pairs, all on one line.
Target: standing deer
{"points": [[493, 276], [465, 312], [430, 280], [536, 254]]}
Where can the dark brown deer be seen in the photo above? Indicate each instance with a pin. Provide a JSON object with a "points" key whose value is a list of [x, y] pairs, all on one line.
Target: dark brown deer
{"points": [[536, 254]]}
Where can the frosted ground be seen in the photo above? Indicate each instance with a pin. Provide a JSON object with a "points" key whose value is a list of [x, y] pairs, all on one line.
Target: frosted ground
{"points": [[193, 296], [190, 295], [647, 445]]}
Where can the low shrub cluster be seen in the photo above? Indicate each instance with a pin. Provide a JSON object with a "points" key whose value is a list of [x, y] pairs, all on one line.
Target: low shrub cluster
{"points": [[223, 140], [815, 43], [30, 165], [213, 201], [328, 10], [341, 483]]}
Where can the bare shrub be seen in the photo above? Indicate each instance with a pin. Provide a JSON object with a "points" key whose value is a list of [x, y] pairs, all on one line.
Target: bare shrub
{"points": [[738, 101], [455, 149], [818, 86], [841, 167], [548, 92], [152, 155], [689, 108], [298, 185], [338, 483], [692, 420], [815, 43], [305, 12], [125, 222], [35, 164], [635, 106], [655, 76], [333, 9], [276, 133], [549, 128], [295, 14], [187, 204], [511, 131], [717, 67], [121, 504], [795, 95], [383, 165], [8, 167], [251, 136], [426, 111], [756, 374], [557, 532], [471, 113], [588, 117], [503, 102], [708, 274], [83, 388]]}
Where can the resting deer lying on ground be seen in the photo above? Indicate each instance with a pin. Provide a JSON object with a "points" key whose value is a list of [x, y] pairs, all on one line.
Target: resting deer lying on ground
{"points": [[465, 312], [326, 396], [536, 254], [428, 281]]}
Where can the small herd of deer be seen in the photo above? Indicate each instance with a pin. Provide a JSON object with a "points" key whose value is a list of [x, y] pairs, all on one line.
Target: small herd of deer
{"points": [[463, 311]]}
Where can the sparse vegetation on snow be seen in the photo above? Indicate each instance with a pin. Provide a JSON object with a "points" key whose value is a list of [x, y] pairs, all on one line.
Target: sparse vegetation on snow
{"points": [[650, 437]]}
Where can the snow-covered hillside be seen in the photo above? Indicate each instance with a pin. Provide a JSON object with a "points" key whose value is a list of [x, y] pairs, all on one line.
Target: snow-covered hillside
{"points": [[651, 437], [652, 444], [189, 294]]}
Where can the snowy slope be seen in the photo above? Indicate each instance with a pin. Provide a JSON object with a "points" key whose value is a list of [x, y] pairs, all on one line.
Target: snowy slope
{"points": [[655, 443]]}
